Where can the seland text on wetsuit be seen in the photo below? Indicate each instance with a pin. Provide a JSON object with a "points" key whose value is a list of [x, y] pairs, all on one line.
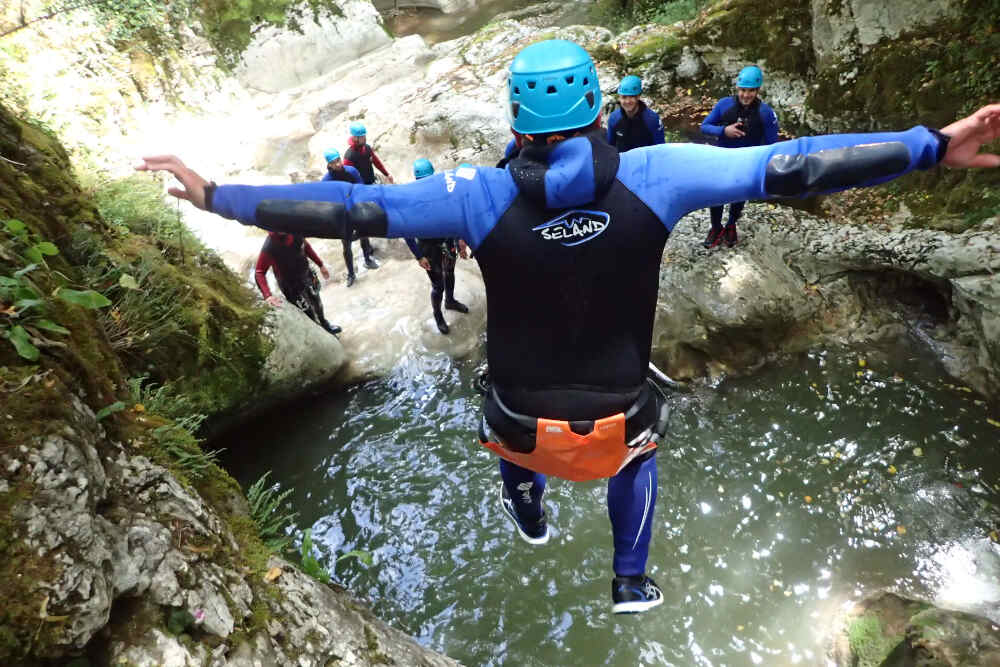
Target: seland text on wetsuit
{"points": [[569, 239], [350, 175]]}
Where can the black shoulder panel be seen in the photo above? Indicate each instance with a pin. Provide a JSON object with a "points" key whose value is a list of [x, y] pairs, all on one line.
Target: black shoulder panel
{"points": [[834, 169], [318, 219], [368, 219]]}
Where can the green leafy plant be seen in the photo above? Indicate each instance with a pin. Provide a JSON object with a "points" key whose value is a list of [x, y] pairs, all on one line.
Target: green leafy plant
{"points": [[312, 567], [24, 305], [265, 509]]}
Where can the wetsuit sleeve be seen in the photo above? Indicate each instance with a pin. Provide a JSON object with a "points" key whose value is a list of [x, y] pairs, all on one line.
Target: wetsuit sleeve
{"points": [[354, 173], [414, 247], [612, 123], [655, 126], [511, 148], [264, 262], [311, 254], [676, 179], [770, 124], [712, 125], [465, 202], [378, 164]]}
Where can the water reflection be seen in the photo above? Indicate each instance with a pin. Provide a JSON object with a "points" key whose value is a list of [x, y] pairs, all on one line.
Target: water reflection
{"points": [[782, 499]]}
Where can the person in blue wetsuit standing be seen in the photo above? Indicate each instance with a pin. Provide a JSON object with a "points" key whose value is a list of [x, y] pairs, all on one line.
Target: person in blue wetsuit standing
{"points": [[633, 124], [739, 121], [569, 238], [336, 170], [437, 258]]}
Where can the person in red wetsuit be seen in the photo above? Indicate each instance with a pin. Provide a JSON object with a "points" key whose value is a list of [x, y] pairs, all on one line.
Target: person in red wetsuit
{"points": [[287, 254], [361, 156]]}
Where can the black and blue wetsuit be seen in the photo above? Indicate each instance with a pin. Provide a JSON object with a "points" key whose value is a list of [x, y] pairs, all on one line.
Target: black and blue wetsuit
{"points": [[569, 239], [627, 132], [350, 175], [760, 124], [441, 254]]}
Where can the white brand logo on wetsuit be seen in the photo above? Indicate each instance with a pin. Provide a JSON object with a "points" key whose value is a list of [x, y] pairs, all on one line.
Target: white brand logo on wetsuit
{"points": [[574, 227], [525, 489], [468, 173]]}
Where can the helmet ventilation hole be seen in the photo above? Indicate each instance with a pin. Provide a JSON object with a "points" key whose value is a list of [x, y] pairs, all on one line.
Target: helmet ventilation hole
{"points": [[586, 81], [531, 85], [517, 91], [551, 90], [569, 79], [515, 108], [590, 98]]}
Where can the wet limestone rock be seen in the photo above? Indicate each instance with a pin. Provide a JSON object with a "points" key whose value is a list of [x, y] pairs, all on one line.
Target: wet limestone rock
{"points": [[304, 354], [278, 59], [885, 630], [794, 280]]}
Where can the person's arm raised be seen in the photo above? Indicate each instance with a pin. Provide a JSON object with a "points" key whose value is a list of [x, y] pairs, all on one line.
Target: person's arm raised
{"points": [[678, 178]]}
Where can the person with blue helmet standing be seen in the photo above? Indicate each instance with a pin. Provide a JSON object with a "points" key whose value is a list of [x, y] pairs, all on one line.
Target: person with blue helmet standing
{"points": [[633, 124], [437, 258], [360, 156], [336, 170], [738, 121], [569, 239]]}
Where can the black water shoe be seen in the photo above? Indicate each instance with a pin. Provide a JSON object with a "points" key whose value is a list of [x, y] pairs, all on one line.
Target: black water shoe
{"points": [[634, 595]]}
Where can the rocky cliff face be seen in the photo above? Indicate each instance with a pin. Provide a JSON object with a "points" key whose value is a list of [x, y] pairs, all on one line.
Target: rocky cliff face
{"points": [[120, 538]]}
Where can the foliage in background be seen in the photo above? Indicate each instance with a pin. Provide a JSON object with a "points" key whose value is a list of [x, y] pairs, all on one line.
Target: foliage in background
{"points": [[178, 316], [158, 27], [312, 566], [620, 15], [25, 306], [271, 519]]}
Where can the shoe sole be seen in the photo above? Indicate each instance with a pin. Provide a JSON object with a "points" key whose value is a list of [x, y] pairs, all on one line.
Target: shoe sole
{"points": [[636, 606], [524, 536]]}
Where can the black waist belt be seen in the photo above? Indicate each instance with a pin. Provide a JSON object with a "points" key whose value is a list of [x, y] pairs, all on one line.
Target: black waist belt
{"points": [[645, 420]]}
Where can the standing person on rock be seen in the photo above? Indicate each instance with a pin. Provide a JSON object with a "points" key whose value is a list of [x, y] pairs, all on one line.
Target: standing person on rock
{"points": [[336, 170], [361, 157], [633, 124], [287, 255], [569, 239], [738, 121], [437, 258]]}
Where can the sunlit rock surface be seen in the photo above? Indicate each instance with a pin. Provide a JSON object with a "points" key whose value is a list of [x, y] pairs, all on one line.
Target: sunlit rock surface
{"points": [[794, 280]]}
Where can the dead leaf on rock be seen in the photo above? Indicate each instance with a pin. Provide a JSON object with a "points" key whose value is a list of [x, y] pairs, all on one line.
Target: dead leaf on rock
{"points": [[272, 574]]}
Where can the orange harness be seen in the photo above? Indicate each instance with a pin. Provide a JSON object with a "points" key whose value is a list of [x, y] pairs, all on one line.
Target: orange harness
{"points": [[579, 458]]}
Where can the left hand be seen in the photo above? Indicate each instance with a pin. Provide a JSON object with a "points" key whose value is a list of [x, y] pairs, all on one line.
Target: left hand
{"points": [[323, 272], [463, 249], [194, 185], [389, 178], [968, 136]]}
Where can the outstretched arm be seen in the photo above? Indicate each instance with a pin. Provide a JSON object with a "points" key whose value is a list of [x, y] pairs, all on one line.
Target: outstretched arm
{"points": [[676, 179], [464, 202]]}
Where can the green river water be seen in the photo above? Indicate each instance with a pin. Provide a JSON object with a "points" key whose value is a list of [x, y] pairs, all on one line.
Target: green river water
{"points": [[782, 498]]}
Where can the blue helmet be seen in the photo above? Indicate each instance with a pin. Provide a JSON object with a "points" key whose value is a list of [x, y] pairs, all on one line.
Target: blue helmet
{"points": [[358, 130], [331, 154], [422, 168], [552, 86], [750, 77], [630, 85]]}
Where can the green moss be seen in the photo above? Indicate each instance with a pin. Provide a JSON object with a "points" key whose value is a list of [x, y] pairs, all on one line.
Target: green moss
{"points": [[659, 47], [375, 656], [760, 33], [869, 645]]}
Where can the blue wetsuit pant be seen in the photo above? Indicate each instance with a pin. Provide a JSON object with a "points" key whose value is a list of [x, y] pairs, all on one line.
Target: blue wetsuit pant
{"points": [[735, 211], [631, 500]]}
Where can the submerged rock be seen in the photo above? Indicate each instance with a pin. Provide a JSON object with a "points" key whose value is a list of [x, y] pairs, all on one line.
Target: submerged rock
{"points": [[886, 630]]}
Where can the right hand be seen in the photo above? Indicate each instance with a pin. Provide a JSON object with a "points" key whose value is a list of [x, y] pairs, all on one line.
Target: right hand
{"points": [[194, 185], [970, 134], [424, 263], [734, 131], [273, 300]]}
